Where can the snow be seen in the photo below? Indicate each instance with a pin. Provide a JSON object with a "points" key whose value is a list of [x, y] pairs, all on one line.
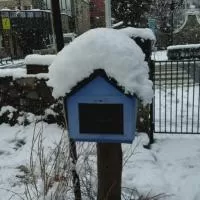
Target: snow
{"points": [[186, 46], [5, 9], [15, 153], [117, 24], [39, 59], [184, 112], [170, 167], [108, 49], [159, 55], [10, 63], [6, 108], [20, 73], [144, 33], [72, 35], [9, 109]]}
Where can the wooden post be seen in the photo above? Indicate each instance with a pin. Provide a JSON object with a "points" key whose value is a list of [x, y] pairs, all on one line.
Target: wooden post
{"points": [[109, 164]]}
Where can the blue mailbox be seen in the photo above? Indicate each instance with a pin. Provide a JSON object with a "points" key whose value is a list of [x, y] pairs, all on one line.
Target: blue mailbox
{"points": [[98, 110]]}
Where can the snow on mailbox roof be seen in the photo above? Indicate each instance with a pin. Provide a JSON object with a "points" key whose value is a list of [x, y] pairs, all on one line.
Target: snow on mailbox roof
{"points": [[144, 33], [102, 48]]}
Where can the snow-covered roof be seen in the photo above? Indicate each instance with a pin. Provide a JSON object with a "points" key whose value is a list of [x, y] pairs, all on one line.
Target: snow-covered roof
{"points": [[39, 59], [144, 33], [103, 48]]}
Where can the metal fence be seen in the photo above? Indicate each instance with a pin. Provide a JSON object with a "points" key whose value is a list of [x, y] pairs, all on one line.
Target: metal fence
{"points": [[23, 31], [176, 105]]}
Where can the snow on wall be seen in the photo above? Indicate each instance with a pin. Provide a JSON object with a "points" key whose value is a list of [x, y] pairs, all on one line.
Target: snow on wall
{"points": [[186, 46], [144, 33], [20, 73], [39, 59], [108, 49]]}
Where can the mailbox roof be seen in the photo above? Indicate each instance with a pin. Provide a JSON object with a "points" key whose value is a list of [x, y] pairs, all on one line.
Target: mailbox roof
{"points": [[95, 74]]}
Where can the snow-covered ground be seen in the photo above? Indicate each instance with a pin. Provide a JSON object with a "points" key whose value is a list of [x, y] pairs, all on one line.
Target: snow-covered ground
{"points": [[170, 167], [177, 109], [15, 150]]}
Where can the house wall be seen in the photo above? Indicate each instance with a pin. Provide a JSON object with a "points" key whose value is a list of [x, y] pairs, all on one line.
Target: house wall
{"points": [[82, 16], [12, 4], [97, 13]]}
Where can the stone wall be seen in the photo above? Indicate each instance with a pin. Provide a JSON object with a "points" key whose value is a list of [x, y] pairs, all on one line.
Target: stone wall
{"points": [[29, 99], [28, 95]]}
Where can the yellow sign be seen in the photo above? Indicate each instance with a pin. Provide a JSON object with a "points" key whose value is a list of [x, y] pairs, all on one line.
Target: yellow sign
{"points": [[6, 23]]}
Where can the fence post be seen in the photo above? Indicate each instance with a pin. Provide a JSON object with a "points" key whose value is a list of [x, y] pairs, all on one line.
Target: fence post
{"points": [[151, 118], [146, 46]]}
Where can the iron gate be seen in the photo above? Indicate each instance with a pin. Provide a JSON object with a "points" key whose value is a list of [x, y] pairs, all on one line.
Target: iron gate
{"points": [[176, 104]]}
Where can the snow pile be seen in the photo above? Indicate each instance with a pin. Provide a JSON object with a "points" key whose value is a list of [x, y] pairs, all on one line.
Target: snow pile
{"points": [[144, 33], [36, 59], [102, 48]]}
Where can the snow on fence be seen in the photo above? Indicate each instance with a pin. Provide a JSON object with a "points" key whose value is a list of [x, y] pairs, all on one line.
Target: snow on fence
{"points": [[177, 52]]}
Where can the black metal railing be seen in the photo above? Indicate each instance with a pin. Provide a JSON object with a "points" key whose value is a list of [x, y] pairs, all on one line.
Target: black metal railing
{"points": [[23, 31], [176, 105]]}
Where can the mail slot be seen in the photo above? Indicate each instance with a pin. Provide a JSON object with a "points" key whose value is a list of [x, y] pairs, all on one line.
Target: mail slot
{"points": [[101, 118]]}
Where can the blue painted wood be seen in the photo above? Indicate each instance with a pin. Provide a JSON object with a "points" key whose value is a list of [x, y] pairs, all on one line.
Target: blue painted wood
{"points": [[99, 91]]}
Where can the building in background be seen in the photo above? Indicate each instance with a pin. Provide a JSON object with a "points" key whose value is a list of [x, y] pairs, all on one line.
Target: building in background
{"points": [[22, 31], [25, 25], [81, 15], [97, 13], [16, 4]]}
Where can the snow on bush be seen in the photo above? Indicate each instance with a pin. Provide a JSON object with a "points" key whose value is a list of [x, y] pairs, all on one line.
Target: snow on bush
{"points": [[9, 109], [108, 49]]}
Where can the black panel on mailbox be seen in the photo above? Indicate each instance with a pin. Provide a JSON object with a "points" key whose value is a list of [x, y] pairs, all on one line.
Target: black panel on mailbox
{"points": [[101, 118]]}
